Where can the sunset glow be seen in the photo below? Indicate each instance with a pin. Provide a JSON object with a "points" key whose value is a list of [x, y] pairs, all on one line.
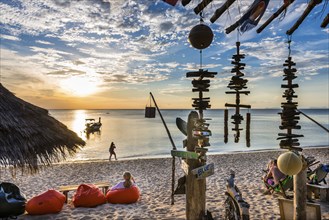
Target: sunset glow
{"points": [[79, 86], [111, 54]]}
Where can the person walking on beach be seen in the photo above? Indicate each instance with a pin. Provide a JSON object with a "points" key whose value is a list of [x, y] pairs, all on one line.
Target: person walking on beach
{"points": [[111, 150]]}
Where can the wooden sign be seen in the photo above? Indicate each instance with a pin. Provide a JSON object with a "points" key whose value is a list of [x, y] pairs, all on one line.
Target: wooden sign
{"points": [[185, 167], [185, 154], [204, 171]]}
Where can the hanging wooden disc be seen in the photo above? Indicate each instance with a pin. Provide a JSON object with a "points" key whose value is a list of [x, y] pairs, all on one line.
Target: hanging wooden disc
{"points": [[248, 129], [225, 126]]}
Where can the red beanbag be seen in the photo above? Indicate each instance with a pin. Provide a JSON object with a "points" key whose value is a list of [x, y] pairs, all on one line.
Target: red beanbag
{"points": [[88, 195], [49, 202], [123, 196]]}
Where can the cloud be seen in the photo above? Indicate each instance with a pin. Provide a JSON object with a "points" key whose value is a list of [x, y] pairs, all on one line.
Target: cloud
{"points": [[137, 42], [70, 72], [44, 42], [9, 37], [176, 90]]}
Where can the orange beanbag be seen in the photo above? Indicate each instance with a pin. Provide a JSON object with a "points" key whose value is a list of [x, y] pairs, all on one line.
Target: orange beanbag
{"points": [[48, 202], [123, 196], [88, 195]]}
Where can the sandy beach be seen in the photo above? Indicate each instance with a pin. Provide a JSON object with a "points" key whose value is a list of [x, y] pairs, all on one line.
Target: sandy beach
{"points": [[153, 177]]}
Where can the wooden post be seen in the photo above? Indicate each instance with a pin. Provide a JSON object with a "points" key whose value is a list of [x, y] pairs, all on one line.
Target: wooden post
{"points": [[300, 193], [195, 188]]}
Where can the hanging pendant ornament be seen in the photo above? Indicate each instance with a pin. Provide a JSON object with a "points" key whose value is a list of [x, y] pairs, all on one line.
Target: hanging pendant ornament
{"points": [[201, 35], [200, 38]]}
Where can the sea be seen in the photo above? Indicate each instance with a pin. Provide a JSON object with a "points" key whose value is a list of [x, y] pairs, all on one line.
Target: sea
{"points": [[138, 137]]}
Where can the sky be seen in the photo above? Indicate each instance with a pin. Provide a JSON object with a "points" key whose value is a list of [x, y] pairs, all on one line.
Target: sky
{"points": [[109, 54]]}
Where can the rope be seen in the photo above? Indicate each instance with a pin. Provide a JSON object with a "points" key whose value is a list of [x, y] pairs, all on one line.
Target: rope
{"points": [[326, 129], [149, 101], [201, 21], [200, 59], [238, 30], [289, 37]]}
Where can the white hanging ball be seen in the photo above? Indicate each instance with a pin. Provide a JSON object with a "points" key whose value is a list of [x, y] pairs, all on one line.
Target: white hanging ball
{"points": [[290, 163]]}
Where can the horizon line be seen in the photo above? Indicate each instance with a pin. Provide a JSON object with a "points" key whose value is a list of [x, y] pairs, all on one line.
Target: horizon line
{"points": [[309, 108]]}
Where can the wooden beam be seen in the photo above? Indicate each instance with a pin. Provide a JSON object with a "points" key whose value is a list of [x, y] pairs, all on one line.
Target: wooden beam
{"points": [[201, 6], [275, 15], [185, 2], [232, 27], [309, 8], [325, 21], [221, 10]]}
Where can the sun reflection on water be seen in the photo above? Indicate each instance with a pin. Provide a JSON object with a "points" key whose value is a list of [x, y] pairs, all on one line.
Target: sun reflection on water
{"points": [[78, 124]]}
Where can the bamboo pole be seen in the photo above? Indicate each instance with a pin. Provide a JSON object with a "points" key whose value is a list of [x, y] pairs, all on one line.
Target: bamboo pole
{"points": [[174, 148]]}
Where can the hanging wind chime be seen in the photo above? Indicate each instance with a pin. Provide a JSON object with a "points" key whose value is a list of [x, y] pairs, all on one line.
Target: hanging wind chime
{"points": [[289, 121], [238, 84], [201, 37], [292, 162]]}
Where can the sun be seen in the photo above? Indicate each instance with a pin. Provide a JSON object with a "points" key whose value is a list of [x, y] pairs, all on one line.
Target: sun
{"points": [[80, 86]]}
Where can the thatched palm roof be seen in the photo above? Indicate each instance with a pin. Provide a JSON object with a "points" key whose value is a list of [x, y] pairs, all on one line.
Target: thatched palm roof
{"points": [[29, 136]]}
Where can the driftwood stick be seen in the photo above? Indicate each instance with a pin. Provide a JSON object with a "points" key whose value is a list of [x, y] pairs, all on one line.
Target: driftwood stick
{"points": [[325, 21], [201, 6], [309, 8], [185, 2], [275, 15], [232, 27], [221, 10]]}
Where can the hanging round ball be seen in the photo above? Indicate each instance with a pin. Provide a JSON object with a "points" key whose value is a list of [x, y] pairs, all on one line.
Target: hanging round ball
{"points": [[200, 36], [290, 163]]}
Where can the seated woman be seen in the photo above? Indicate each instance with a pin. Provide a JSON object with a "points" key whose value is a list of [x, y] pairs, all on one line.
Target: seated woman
{"points": [[125, 192], [127, 183], [274, 175]]}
